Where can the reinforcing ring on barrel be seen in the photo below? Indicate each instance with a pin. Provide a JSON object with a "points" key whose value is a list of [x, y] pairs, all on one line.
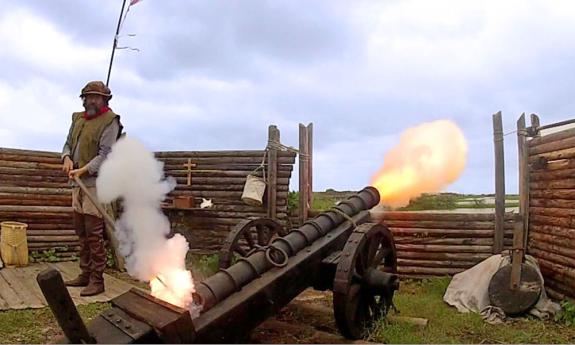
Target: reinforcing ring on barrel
{"points": [[276, 256]]}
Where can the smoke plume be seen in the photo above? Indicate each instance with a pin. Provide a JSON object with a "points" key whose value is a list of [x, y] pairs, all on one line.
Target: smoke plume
{"points": [[131, 173]]}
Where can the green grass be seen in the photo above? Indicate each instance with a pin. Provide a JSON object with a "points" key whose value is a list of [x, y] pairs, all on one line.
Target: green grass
{"points": [[202, 266], [323, 201], [432, 202], [424, 299], [35, 326]]}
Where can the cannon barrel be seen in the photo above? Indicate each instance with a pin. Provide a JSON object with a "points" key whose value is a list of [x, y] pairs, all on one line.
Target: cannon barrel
{"points": [[225, 282]]}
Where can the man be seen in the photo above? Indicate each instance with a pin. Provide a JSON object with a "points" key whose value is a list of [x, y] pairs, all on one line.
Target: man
{"points": [[89, 141]]}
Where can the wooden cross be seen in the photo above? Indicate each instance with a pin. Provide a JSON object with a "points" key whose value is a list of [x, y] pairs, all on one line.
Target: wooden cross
{"points": [[190, 165]]}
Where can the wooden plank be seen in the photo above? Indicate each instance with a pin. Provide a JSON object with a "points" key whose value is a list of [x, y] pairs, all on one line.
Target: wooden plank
{"points": [[48, 209], [29, 158], [567, 153], [14, 299], [443, 256], [63, 307], [173, 324], [517, 253], [444, 241], [217, 174], [309, 151], [553, 146], [552, 211], [553, 166], [523, 154], [216, 154], [443, 248], [436, 263], [27, 276], [274, 139], [435, 271], [499, 183], [303, 175], [567, 194], [551, 203], [555, 221], [36, 190], [567, 233], [443, 233], [28, 153], [552, 257], [553, 184], [472, 225], [438, 216], [553, 137], [200, 161]]}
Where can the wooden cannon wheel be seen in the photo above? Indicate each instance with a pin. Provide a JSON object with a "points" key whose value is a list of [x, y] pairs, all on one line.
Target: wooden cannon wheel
{"points": [[519, 300], [247, 235], [356, 306]]}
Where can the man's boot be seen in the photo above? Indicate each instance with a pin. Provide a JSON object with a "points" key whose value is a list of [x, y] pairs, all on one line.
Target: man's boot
{"points": [[95, 234], [84, 278]]}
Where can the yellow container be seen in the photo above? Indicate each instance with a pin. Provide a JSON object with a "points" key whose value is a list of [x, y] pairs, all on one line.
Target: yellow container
{"points": [[14, 244]]}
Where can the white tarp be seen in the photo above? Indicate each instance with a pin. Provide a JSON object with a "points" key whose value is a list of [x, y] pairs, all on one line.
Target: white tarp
{"points": [[468, 291]]}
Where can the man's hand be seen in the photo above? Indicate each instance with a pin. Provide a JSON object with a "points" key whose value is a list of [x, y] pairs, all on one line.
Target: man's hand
{"points": [[67, 165], [77, 172]]}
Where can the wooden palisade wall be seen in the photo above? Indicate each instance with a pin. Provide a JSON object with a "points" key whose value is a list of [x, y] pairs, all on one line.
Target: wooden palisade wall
{"points": [[34, 190], [220, 176], [436, 244], [551, 232]]}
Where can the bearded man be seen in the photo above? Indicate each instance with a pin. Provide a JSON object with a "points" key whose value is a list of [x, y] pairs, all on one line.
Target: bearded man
{"points": [[90, 138]]}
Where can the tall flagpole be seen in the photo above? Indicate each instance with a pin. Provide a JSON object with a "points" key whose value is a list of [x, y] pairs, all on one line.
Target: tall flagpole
{"points": [[115, 42]]}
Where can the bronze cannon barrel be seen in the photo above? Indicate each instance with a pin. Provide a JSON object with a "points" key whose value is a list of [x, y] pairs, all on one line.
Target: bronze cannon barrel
{"points": [[228, 281]]}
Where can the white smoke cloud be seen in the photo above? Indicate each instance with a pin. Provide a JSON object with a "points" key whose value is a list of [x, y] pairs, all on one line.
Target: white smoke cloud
{"points": [[132, 173]]}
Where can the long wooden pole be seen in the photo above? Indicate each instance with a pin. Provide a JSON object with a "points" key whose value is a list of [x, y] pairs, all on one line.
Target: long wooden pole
{"points": [[523, 175], [499, 183], [303, 174], [115, 44], [273, 138], [310, 163], [120, 262]]}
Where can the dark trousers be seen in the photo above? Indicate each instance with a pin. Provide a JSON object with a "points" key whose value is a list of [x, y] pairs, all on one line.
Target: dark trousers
{"points": [[90, 230]]}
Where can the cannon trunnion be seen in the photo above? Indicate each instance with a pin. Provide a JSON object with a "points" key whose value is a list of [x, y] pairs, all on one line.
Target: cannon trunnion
{"points": [[262, 269]]}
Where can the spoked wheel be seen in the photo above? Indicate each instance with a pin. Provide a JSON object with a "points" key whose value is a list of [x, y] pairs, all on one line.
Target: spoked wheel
{"points": [[247, 236], [365, 279]]}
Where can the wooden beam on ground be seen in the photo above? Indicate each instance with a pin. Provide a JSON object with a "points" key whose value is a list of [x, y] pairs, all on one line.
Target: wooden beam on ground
{"points": [[62, 307]]}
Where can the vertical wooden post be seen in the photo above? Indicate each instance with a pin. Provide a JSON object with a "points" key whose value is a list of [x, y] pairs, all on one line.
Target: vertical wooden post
{"points": [[499, 183], [63, 308], [535, 124], [523, 154], [517, 253], [303, 174], [273, 138], [310, 163]]}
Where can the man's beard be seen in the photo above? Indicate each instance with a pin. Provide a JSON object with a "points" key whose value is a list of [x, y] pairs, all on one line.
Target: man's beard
{"points": [[91, 110]]}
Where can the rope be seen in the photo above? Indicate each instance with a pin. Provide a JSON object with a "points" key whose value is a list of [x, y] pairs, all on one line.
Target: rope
{"points": [[279, 146], [345, 216]]}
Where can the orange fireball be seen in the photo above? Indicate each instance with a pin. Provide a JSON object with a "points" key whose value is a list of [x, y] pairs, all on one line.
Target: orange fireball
{"points": [[427, 158]]}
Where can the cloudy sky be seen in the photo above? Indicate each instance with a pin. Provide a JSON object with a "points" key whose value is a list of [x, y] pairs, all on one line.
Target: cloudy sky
{"points": [[212, 75]]}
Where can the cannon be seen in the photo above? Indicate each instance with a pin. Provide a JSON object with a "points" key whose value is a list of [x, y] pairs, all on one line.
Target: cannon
{"points": [[262, 269]]}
